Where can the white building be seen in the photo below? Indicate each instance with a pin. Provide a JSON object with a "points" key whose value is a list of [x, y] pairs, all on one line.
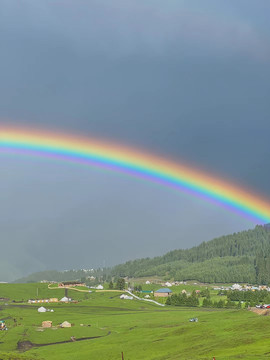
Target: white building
{"points": [[236, 287]]}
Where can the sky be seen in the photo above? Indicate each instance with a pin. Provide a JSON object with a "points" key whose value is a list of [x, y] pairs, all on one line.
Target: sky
{"points": [[186, 79]]}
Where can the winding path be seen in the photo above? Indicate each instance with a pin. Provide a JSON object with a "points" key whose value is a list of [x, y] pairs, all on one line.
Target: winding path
{"points": [[120, 291]]}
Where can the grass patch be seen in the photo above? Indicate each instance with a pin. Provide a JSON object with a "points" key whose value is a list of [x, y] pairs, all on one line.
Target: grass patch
{"points": [[139, 330]]}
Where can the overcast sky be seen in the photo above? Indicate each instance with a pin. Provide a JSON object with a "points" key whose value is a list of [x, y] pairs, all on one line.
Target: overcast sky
{"points": [[184, 78]]}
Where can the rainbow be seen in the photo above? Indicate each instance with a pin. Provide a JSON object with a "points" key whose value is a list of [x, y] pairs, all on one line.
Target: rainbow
{"points": [[136, 163]]}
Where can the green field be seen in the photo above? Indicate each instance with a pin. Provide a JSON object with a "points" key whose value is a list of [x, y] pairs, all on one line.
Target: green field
{"points": [[136, 328]]}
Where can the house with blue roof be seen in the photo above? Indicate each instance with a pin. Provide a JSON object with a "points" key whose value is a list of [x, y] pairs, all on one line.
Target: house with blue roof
{"points": [[164, 292]]}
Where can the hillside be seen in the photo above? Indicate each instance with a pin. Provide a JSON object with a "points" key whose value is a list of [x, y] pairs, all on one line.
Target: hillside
{"points": [[240, 257]]}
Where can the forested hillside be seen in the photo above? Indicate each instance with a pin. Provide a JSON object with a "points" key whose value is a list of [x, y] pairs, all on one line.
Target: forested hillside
{"points": [[240, 257]]}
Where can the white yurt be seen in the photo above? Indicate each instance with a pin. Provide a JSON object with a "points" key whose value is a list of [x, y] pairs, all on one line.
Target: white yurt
{"points": [[65, 299], [65, 324], [42, 309], [126, 297]]}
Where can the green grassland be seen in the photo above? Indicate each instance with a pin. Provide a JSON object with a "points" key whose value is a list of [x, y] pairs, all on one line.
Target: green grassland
{"points": [[138, 329]]}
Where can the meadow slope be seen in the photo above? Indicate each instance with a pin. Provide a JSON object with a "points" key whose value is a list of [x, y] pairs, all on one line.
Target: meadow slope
{"points": [[139, 330]]}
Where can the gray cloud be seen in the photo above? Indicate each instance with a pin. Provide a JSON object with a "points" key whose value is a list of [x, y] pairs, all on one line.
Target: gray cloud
{"points": [[125, 28], [189, 81]]}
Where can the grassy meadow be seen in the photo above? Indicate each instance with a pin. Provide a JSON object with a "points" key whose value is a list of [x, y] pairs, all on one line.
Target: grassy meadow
{"points": [[138, 329]]}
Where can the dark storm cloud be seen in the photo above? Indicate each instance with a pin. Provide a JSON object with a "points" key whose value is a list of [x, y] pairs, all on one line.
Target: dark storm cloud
{"points": [[186, 79]]}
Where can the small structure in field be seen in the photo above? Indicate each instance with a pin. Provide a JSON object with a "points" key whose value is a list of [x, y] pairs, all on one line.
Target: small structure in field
{"points": [[147, 282], [164, 292], [42, 309], [236, 287], [46, 324], [126, 297], [39, 301], [99, 287], [65, 324], [168, 284], [65, 299]]}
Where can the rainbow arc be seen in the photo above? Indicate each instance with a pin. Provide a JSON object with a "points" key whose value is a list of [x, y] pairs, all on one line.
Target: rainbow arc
{"points": [[137, 163]]}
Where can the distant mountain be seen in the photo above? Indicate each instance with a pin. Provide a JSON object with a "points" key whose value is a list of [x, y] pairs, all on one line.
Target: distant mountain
{"points": [[54, 275], [240, 257]]}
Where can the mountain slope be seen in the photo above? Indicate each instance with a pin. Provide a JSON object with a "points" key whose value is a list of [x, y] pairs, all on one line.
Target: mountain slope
{"points": [[240, 257]]}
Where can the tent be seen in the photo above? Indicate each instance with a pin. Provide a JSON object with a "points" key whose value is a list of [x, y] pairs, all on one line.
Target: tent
{"points": [[65, 299], [126, 297], [47, 324], [42, 309], [99, 287]]}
